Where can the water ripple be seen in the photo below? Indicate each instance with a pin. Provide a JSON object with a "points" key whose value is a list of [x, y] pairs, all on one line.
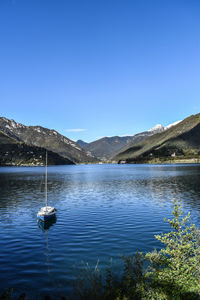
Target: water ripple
{"points": [[103, 211]]}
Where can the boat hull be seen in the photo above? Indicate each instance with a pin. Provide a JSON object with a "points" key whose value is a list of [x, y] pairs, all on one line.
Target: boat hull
{"points": [[44, 218], [46, 213]]}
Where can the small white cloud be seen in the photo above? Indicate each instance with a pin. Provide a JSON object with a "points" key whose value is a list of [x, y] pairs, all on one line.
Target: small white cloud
{"points": [[76, 130]]}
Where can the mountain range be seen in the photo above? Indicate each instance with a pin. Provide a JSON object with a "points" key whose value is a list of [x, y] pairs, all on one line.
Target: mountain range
{"points": [[180, 142], [108, 147], [37, 136], [27, 145]]}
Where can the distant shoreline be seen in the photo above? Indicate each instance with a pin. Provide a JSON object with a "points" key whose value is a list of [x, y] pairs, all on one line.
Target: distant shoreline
{"points": [[152, 162], [163, 161]]}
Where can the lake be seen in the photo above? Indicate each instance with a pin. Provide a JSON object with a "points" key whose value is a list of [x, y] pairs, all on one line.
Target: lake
{"points": [[103, 211]]}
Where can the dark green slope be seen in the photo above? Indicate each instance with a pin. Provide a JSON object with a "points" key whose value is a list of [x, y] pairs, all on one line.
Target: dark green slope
{"points": [[181, 141], [15, 153], [136, 139]]}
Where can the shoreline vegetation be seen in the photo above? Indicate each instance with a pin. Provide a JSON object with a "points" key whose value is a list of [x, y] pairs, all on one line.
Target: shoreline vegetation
{"points": [[153, 161], [171, 273], [164, 161]]}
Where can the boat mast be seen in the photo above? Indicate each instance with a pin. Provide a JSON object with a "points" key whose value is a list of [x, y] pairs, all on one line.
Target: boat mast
{"points": [[46, 180]]}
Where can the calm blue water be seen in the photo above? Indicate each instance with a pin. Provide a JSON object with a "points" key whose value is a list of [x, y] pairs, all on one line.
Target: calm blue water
{"points": [[103, 211]]}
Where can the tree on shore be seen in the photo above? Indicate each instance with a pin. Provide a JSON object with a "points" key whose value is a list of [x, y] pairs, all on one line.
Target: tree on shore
{"points": [[175, 269]]}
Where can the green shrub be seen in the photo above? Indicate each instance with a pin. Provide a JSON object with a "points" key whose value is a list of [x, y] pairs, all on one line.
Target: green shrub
{"points": [[175, 270]]}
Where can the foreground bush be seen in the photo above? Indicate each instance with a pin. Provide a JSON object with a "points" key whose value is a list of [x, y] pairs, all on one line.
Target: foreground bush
{"points": [[175, 269]]}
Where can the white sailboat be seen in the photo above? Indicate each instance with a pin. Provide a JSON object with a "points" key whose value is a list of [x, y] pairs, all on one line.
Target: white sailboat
{"points": [[46, 213]]}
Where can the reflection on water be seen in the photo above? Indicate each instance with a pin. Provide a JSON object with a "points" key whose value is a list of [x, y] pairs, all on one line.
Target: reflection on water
{"points": [[45, 227], [47, 224], [102, 211]]}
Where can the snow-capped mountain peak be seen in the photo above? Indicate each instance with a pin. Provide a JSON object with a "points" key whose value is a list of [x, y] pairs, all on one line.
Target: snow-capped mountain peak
{"points": [[157, 128], [171, 125]]}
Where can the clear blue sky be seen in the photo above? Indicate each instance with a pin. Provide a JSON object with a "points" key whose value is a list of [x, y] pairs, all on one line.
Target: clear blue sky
{"points": [[106, 67]]}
